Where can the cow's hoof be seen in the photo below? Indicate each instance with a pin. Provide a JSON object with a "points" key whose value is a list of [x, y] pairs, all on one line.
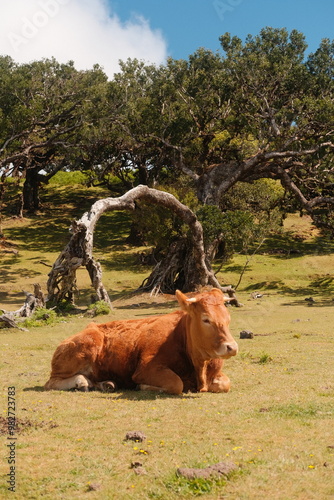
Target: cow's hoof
{"points": [[108, 386]]}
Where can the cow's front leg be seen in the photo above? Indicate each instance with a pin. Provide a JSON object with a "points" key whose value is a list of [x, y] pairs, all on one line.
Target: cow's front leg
{"points": [[153, 377], [201, 376], [217, 380], [221, 383]]}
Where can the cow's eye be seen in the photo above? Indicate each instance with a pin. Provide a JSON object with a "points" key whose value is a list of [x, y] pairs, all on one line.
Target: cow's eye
{"points": [[206, 321]]}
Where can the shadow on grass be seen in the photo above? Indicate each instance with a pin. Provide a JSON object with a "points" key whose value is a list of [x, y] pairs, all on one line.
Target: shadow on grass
{"points": [[36, 388], [237, 268], [112, 229], [147, 305], [322, 286], [41, 235], [318, 302], [49, 231], [265, 285], [9, 274], [122, 260], [288, 245], [12, 299], [129, 395], [138, 395]]}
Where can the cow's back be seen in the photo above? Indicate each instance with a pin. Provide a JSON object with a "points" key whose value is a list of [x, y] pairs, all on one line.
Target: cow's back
{"points": [[113, 350], [130, 342]]}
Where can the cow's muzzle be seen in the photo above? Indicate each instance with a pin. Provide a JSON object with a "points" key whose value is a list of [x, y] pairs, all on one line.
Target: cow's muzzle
{"points": [[227, 350]]}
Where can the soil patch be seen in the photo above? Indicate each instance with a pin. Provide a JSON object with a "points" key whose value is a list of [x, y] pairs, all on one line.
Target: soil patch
{"points": [[23, 425]]}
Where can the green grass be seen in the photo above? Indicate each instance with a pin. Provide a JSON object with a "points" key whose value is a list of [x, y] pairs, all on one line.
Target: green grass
{"points": [[276, 423]]}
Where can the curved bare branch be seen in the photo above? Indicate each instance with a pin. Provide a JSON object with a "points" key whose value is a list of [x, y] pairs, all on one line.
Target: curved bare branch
{"points": [[79, 250]]}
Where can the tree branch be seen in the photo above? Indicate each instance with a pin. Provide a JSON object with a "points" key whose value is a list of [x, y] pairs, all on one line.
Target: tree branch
{"points": [[288, 183]]}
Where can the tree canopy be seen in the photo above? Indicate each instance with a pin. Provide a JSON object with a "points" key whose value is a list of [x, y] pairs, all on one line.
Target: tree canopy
{"points": [[260, 108]]}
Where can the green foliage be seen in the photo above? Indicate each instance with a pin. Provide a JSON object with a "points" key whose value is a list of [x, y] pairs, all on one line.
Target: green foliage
{"points": [[48, 112], [239, 229], [100, 308], [157, 226], [40, 318], [195, 487], [265, 358], [160, 227], [258, 196], [252, 212], [212, 220], [65, 307], [206, 117], [69, 178]]}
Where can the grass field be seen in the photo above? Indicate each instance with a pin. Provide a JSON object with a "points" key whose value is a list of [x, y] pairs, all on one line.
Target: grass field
{"points": [[276, 424]]}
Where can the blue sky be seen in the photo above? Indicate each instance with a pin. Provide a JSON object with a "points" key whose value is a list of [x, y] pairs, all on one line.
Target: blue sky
{"points": [[103, 32], [189, 24]]}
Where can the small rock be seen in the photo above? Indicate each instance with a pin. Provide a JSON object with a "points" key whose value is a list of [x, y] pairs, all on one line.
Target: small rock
{"points": [[138, 468], [219, 469], [246, 334], [134, 465], [93, 486], [135, 436], [194, 473]]}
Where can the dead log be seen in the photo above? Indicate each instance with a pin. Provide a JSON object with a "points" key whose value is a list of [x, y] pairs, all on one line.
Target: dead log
{"points": [[33, 301], [8, 321]]}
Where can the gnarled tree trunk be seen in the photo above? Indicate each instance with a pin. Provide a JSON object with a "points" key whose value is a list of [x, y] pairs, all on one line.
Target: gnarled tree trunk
{"points": [[188, 256]]}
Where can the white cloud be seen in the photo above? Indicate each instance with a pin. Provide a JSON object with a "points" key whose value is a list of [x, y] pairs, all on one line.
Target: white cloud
{"points": [[84, 31]]}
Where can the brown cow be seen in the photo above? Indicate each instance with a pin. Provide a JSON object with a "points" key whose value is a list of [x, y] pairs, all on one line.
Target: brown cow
{"points": [[173, 353]]}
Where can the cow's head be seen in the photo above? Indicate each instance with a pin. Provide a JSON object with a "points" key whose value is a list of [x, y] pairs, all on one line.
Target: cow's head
{"points": [[209, 322]]}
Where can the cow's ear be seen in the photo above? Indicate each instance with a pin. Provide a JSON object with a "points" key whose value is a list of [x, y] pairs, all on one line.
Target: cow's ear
{"points": [[216, 291], [184, 301]]}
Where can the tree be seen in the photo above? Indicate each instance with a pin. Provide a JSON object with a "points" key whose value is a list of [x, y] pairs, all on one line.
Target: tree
{"points": [[280, 121], [260, 110], [79, 251], [46, 110]]}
